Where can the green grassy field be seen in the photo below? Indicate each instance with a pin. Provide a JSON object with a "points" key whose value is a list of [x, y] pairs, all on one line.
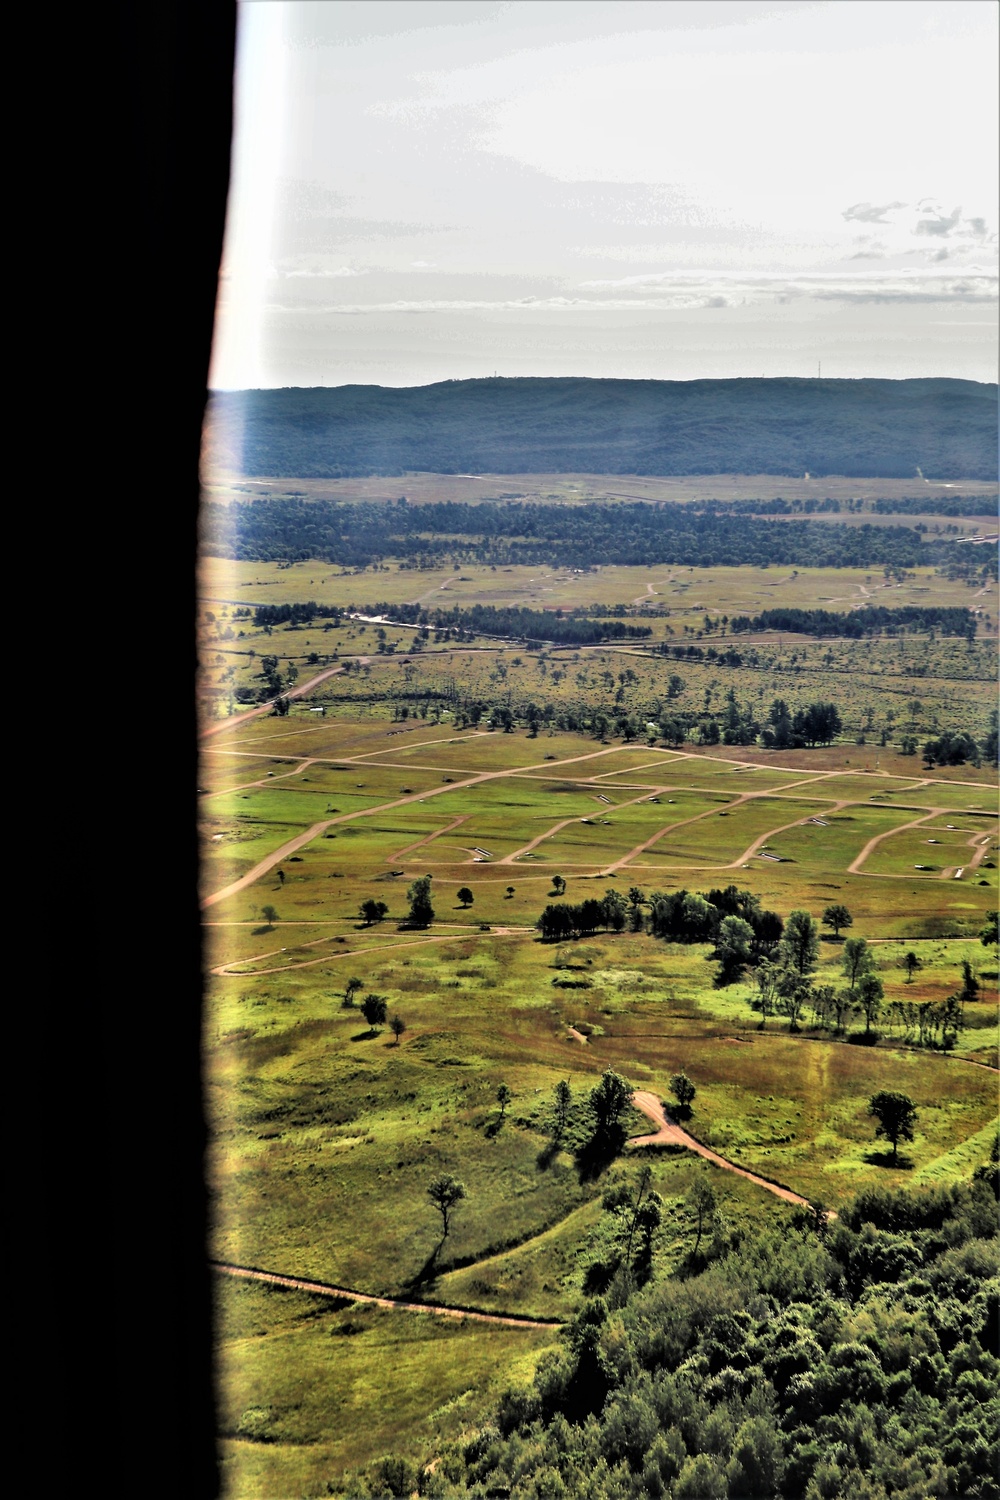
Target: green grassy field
{"points": [[304, 1385], [325, 1133]]}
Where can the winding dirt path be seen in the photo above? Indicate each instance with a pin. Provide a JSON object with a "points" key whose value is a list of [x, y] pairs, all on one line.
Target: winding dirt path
{"points": [[713, 812], [293, 845], [268, 776], [854, 868], [644, 796], [343, 1293], [430, 837], [675, 1136], [232, 971], [766, 837], [265, 708], [981, 848]]}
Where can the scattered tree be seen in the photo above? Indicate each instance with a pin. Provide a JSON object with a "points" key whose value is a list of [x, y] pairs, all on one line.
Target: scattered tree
{"points": [[564, 1099], [765, 992], [509, 892], [857, 960], [837, 916], [419, 897], [373, 911], [733, 949], [801, 940], [870, 995], [375, 1008], [911, 963], [896, 1115], [989, 935], [504, 1096], [351, 989], [465, 896], [970, 984], [397, 1026], [701, 1201], [638, 1210], [613, 910], [270, 915], [558, 885], [609, 1101], [683, 1091], [445, 1192]]}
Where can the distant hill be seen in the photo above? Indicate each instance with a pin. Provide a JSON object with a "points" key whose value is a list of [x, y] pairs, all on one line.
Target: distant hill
{"points": [[877, 428]]}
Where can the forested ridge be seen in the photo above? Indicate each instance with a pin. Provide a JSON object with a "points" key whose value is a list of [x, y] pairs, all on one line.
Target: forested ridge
{"points": [[510, 533], [877, 428], [854, 1360]]}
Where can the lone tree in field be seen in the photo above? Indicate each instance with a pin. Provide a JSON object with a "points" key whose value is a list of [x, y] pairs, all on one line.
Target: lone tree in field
{"points": [[564, 1099], [683, 1091], [465, 896], [837, 916], [896, 1115], [419, 897], [911, 963], [444, 1192], [558, 885], [509, 892], [373, 911], [375, 1008], [270, 914], [609, 1101], [351, 989], [397, 1026], [504, 1096]]}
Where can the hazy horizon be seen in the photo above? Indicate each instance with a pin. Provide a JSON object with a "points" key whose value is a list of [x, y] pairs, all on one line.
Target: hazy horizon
{"points": [[425, 190]]}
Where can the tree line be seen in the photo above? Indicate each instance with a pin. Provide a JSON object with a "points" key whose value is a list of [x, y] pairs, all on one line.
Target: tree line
{"points": [[568, 628], [597, 533], [270, 615], [777, 958], [870, 619]]}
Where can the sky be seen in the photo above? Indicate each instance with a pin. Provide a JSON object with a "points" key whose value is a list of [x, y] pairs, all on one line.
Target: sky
{"points": [[427, 190]]}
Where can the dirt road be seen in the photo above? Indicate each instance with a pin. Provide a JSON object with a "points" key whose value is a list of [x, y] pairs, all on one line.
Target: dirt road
{"points": [[266, 708], [341, 1293], [669, 1134]]}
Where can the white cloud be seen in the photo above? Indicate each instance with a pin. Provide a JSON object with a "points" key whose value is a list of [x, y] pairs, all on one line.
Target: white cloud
{"points": [[320, 273], [679, 292], [871, 213], [937, 222]]}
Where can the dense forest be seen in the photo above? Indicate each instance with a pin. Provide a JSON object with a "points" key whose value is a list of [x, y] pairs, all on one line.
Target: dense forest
{"points": [[870, 619], [931, 503], [815, 1360], [508, 533], [879, 428]]}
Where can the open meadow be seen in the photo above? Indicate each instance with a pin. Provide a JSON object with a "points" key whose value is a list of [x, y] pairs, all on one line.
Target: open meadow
{"points": [[407, 760], [327, 1130]]}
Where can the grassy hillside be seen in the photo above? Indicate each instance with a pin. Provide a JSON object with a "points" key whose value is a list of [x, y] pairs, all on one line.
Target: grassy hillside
{"points": [[946, 428]]}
